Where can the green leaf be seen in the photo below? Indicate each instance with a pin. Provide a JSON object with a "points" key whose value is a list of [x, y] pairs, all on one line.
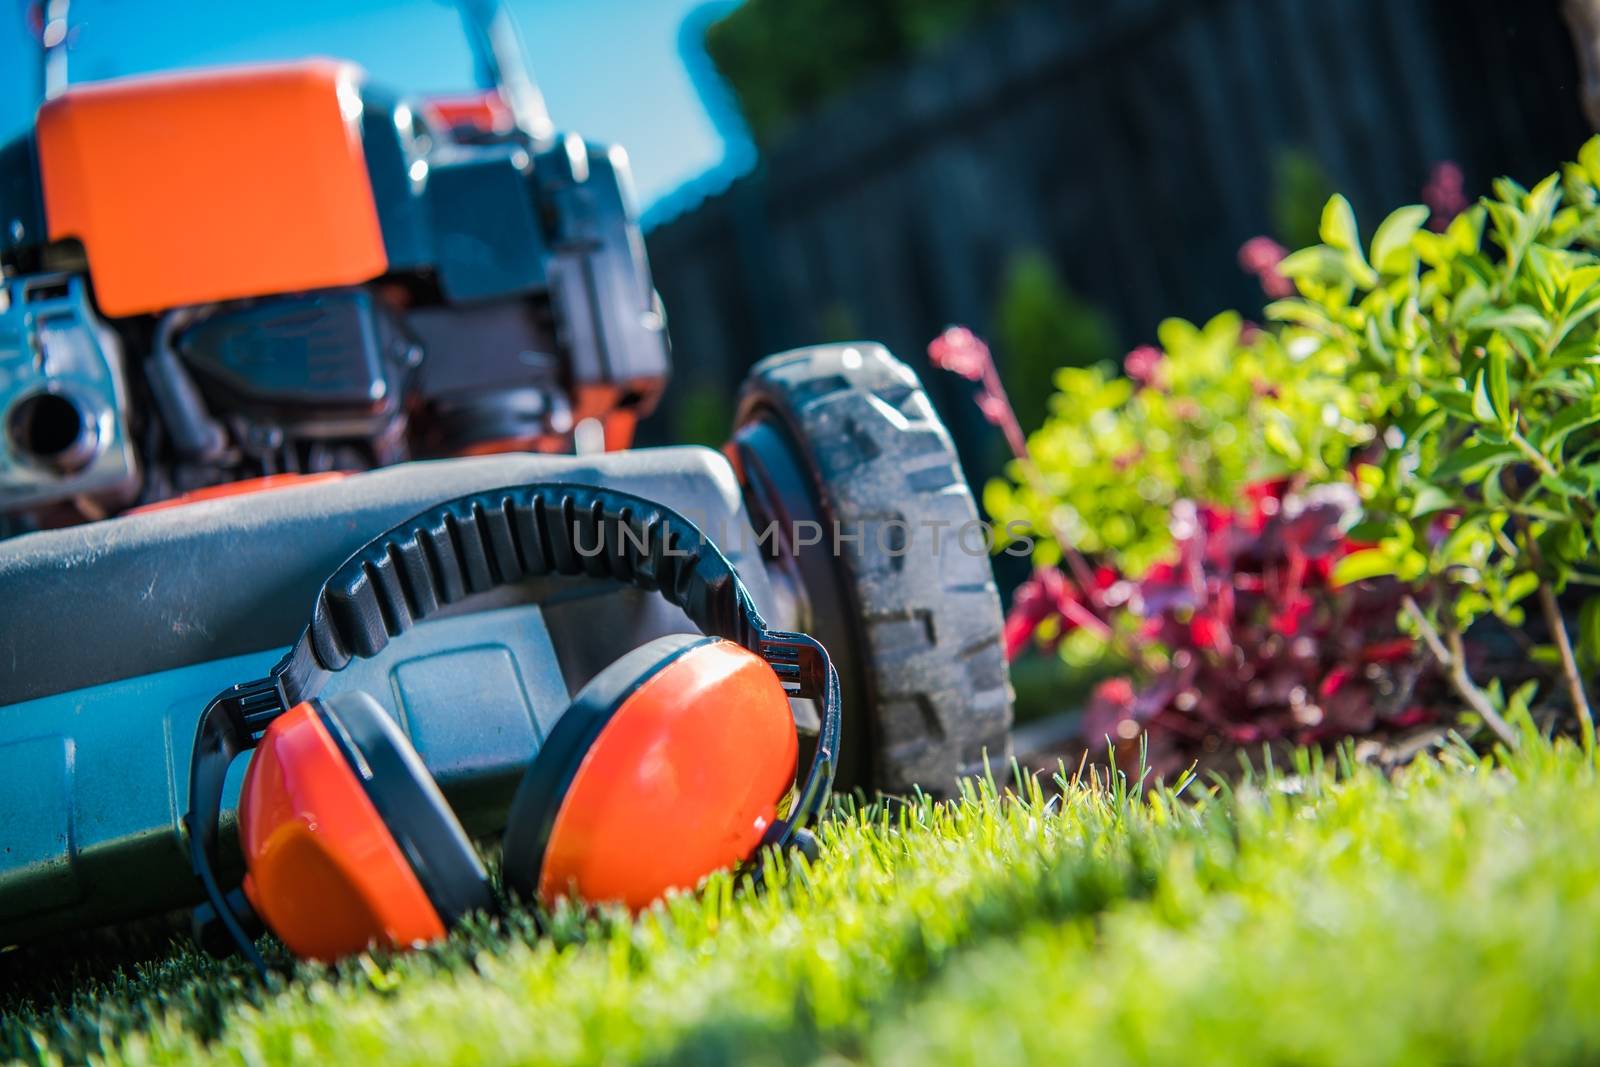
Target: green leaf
{"points": [[1483, 408], [1466, 230], [1412, 566], [1375, 343], [1369, 530], [1520, 585], [1505, 219], [1177, 335], [1582, 283], [1499, 385], [1469, 458], [1577, 317], [1568, 421], [1338, 227], [1544, 656], [1455, 401], [1318, 263], [1301, 313], [1589, 475], [1589, 633], [1468, 300], [1280, 438], [1391, 244], [1589, 159], [1517, 317], [1434, 249], [1359, 566], [1563, 484], [1429, 499], [1518, 706], [1542, 201]]}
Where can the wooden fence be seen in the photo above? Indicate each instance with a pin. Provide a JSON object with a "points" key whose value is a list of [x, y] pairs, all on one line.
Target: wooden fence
{"points": [[1130, 141]]}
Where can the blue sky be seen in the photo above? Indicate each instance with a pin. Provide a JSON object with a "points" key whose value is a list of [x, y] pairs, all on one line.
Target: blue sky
{"points": [[610, 69]]}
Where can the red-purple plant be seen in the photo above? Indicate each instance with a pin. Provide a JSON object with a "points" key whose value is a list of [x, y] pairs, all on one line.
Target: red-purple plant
{"points": [[1243, 639]]}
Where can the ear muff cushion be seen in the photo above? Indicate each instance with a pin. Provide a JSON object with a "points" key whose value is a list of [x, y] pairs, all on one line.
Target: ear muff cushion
{"points": [[408, 799], [325, 873], [690, 748]]}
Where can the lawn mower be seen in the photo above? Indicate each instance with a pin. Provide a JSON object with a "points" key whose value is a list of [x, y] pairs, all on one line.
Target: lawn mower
{"points": [[253, 316]]}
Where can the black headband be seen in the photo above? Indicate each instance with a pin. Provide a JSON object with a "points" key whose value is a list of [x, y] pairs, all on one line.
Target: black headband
{"points": [[473, 544]]}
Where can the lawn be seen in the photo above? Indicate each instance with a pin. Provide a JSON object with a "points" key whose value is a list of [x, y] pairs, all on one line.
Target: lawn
{"points": [[1324, 913]]}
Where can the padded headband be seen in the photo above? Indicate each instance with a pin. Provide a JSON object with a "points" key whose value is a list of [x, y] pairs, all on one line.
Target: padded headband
{"points": [[474, 544]]}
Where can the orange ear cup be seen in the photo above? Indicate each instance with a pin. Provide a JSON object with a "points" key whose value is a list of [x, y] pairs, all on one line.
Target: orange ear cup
{"points": [[325, 872], [693, 747]]}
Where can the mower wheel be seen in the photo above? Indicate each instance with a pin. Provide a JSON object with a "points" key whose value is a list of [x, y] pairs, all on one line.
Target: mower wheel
{"points": [[878, 541]]}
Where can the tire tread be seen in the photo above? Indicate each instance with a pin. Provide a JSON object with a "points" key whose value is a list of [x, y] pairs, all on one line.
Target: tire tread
{"points": [[932, 621]]}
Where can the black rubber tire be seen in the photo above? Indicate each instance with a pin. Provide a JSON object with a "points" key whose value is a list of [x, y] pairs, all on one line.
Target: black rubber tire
{"points": [[930, 697]]}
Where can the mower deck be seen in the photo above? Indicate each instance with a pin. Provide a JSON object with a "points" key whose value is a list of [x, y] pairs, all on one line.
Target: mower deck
{"points": [[115, 634]]}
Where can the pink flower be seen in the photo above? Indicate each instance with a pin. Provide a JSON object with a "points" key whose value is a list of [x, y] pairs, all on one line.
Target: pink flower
{"points": [[1146, 365], [1445, 194], [994, 408], [1260, 256], [960, 351]]}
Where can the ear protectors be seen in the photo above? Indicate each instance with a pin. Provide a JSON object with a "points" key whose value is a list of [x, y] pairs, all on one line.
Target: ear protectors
{"points": [[676, 760], [606, 813], [346, 837]]}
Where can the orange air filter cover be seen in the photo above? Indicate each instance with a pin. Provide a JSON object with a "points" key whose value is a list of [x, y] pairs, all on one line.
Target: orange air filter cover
{"points": [[212, 185]]}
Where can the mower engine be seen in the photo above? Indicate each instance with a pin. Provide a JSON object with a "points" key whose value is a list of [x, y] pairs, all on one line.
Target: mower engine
{"points": [[210, 278]]}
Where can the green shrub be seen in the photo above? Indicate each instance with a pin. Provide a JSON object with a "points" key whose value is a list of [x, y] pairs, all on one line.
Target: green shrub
{"points": [[1219, 407], [1482, 347], [1456, 374]]}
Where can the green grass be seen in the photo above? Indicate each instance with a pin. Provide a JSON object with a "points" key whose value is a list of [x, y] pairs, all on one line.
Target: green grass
{"points": [[1445, 915]]}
